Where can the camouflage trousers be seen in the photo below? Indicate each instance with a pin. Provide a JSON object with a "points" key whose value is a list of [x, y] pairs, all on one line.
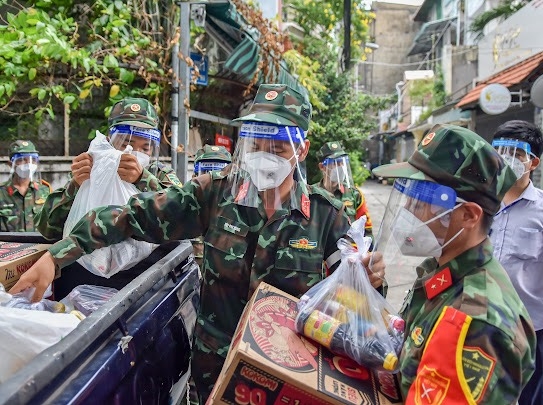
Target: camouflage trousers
{"points": [[205, 368]]}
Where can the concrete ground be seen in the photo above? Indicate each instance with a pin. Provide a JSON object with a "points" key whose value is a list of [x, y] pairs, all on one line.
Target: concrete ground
{"points": [[399, 282]]}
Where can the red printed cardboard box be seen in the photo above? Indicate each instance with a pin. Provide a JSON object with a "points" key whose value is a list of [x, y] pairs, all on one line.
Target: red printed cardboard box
{"points": [[16, 258], [269, 363]]}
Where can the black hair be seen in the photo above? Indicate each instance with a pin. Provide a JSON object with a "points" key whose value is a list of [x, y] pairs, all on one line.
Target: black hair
{"points": [[486, 222], [523, 131]]}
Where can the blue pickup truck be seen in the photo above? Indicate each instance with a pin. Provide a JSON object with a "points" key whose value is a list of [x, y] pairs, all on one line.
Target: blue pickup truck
{"points": [[134, 349]]}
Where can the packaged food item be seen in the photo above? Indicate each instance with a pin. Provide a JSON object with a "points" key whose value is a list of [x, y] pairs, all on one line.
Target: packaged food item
{"points": [[88, 298]]}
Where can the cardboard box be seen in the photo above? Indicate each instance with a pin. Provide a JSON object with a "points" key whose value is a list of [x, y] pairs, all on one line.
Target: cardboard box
{"points": [[269, 363], [16, 258]]}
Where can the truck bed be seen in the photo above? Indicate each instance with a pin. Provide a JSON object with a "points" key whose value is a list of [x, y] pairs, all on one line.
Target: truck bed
{"points": [[131, 350]]}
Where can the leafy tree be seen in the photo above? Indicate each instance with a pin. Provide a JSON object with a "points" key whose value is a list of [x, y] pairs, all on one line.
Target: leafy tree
{"points": [[339, 114], [61, 55]]}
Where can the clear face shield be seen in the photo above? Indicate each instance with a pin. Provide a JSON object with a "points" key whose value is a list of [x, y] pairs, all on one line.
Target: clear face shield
{"points": [[25, 166], [517, 154], [415, 224], [206, 166], [144, 143], [266, 165], [337, 173]]}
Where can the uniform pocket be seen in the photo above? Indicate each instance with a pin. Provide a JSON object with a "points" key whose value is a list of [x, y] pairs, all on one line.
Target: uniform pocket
{"points": [[296, 270], [527, 244], [224, 252]]}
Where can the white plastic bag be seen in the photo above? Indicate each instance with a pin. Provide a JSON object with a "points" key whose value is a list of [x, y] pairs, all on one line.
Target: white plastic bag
{"points": [[25, 333], [105, 187]]}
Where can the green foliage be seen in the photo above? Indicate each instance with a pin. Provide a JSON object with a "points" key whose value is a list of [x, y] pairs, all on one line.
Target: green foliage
{"points": [[428, 92], [63, 52], [324, 19], [503, 11], [309, 75], [339, 114]]}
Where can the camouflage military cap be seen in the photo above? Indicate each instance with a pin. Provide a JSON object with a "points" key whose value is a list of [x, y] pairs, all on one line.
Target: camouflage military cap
{"points": [[331, 150], [213, 153], [279, 104], [21, 146], [137, 112], [459, 158]]}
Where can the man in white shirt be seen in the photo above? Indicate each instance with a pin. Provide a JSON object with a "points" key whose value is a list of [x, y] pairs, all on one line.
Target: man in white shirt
{"points": [[517, 233]]}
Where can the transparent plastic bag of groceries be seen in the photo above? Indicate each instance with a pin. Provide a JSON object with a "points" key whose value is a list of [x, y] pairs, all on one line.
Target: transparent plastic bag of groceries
{"points": [[348, 316], [105, 187], [88, 298]]}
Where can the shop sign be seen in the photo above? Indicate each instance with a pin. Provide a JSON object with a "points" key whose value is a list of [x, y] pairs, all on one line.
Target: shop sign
{"points": [[495, 99]]}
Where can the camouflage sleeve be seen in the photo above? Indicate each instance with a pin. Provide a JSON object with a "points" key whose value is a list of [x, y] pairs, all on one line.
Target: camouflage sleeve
{"points": [[171, 214], [501, 361], [362, 209], [165, 178], [51, 218], [148, 182]]}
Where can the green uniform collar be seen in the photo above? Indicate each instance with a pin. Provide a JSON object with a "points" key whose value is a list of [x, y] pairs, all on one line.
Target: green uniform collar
{"points": [[460, 266]]}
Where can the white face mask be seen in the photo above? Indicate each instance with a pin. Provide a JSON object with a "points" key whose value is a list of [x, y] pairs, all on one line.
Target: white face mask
{"points": [[337, 176], [516, 165], [415, 238], [143, 158], [267, 170], [26, 170]]}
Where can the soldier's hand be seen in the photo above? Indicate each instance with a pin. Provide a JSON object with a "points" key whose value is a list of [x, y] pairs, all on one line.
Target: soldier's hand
{"points": [[81, 167], [376, 271], [129, 169], [39, 276]]}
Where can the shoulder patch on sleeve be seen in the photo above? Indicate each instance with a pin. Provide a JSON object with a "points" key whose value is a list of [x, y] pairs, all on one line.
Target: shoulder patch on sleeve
{"points": [[173, 178], [478, 367], [47, 185]]}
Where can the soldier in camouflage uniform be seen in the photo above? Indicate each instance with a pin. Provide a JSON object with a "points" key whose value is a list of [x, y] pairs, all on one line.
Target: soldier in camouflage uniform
{"points": [[469, 338], [259, 224], [207, 159], [23, 195], [134, 122], [337, 179]]}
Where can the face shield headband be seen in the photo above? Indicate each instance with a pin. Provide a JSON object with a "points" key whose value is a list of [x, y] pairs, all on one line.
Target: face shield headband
{"points": [[515, 153], [152, 134], [208, 166]]}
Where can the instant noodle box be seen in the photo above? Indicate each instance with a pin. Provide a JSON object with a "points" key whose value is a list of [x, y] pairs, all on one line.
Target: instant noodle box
{"points": [[269, 363], [16, 258]]}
